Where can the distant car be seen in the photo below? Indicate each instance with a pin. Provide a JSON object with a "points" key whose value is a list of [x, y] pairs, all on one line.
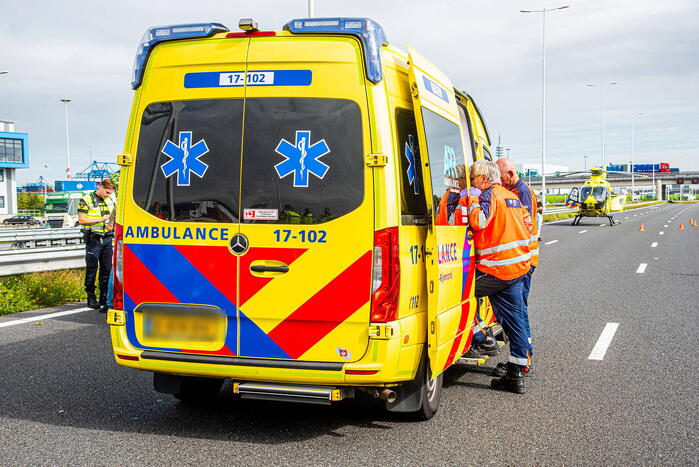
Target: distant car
{"points": [[29, 220]]}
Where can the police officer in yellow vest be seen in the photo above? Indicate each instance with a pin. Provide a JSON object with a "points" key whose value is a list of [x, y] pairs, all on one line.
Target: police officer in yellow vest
{"points": [[94, 210]]}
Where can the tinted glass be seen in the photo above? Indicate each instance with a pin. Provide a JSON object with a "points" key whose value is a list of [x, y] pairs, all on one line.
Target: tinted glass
{"points": [[2, 201], [188, 160], [303, 160], [447, 167], [412, 200]]}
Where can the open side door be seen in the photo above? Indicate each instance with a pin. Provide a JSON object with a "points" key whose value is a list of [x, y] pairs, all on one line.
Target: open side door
{"points": [[574, 196], [448, 249]]}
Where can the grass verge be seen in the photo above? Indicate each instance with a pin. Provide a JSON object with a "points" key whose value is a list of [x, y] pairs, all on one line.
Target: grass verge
{"points": [[41, 289]]}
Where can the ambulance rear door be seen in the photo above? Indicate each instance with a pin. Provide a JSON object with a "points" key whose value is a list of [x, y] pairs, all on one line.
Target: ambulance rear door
{"points": [[445, 174], [304, 281]]}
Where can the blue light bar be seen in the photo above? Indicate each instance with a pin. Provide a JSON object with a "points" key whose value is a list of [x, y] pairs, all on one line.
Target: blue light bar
{"points": [[155, 35], [368, 31]]}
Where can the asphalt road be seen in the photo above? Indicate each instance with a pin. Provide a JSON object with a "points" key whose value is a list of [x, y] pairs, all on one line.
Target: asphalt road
{"points": [[64, 401]]}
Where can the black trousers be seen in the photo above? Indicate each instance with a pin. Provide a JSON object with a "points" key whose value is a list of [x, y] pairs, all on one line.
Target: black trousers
{"points": [[98, 256]]}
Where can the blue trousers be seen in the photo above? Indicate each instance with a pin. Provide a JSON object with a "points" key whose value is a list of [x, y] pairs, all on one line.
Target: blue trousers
{"points": [[110, 293], [526, 286], [507, 298]]}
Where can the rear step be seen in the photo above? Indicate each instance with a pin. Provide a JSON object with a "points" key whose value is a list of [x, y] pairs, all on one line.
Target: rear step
{"points": [[287, 393]]}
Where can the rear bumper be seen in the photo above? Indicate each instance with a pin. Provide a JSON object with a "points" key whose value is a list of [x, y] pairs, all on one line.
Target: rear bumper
{"points": [[387, 361]]}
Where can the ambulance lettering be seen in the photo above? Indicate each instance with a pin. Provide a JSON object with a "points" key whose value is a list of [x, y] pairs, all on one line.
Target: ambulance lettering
{"points": [[447, 253], [177, 233]]}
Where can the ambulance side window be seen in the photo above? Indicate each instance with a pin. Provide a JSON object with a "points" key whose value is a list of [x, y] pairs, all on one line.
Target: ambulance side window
{"points": [[188, 160], [466, 135], [412, 197], [447, 165]]}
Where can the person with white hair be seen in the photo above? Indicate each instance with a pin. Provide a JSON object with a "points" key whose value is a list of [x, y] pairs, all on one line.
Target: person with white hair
{"points": [[501, 226]]}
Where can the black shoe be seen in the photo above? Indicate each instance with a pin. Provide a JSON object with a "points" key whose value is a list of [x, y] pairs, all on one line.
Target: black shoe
{"points": [[472, 353], [513, 381], [501, 368], [103, 309], [92, 300], [489, 346]]}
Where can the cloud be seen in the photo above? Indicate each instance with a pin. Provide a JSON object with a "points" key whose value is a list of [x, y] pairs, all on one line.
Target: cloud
{"points": [[84, 50]]}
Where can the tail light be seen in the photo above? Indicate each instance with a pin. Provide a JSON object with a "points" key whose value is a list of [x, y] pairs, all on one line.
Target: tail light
{"points": [[385, 283], [118, 267]]}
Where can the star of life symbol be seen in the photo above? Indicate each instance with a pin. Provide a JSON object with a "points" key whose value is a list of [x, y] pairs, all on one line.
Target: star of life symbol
{"points": [[184, 158], [410, 155], [301, 158]]}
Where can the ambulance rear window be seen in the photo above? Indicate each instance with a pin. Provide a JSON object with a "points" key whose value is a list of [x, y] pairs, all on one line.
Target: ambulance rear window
{"points": [[302, 160], [188, 160]]}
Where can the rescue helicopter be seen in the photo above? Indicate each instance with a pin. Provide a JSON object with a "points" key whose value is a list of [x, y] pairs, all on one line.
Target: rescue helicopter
{"points": [[595, 198]]}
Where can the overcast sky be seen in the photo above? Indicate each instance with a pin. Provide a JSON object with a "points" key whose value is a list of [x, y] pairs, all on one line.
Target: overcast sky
{"points": [[84, 51]]}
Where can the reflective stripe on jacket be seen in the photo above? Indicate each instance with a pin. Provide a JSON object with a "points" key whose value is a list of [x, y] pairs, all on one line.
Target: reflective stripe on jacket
{"points": [[501, 228], [97, 208], [528, 198]]}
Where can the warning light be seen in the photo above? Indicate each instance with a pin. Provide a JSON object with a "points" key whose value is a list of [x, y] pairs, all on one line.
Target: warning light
{"points": [[680, 181], [695, 180]]}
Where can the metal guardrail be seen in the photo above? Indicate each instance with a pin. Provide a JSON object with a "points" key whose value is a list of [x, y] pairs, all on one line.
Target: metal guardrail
{"points": [[45, 259], [39, 238]]}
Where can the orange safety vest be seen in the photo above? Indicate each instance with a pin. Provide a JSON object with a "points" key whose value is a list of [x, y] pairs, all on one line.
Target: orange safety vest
{"points": [[444, 217], [501, 228], [518, 189]]}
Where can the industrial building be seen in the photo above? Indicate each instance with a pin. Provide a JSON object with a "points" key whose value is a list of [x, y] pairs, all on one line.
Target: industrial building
{"points": [[14, 154]]}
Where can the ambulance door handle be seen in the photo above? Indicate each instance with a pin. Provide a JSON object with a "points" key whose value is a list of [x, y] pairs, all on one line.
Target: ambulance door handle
{"points": [[269, 268]]}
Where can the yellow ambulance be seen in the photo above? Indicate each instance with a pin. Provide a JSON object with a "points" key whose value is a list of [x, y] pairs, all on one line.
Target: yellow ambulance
{"points": [[286, 216]]}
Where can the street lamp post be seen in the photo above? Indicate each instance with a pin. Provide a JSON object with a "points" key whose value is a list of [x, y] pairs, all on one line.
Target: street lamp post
{"points": [[311, 9], [601, 86], [633, 154], [543, 95], [585, 169], [65, 101]]}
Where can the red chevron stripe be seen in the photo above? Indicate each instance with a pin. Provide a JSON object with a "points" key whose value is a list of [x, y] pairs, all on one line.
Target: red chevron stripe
{"points": [[326, 310], [140, 284], [216, 263]]}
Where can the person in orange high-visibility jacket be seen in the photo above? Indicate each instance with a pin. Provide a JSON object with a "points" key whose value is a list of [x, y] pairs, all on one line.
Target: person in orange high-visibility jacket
{"points": [[511, 181], [501, 227]]}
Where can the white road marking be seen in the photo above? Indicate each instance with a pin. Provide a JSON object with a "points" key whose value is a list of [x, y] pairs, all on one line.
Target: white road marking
{"points": [[665, 225], [661, 232], [654, 244], [626, 217], [635, 215], [641, 268], [40, 317], [551, 242], [582, 231], [600, 348], [602, 225]]}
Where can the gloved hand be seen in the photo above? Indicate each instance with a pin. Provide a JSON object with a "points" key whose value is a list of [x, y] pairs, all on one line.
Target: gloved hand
{"points": [[473, 191]]}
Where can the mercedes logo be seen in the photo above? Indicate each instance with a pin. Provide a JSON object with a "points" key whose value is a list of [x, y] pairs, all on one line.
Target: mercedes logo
{"points": [[239, 244]]}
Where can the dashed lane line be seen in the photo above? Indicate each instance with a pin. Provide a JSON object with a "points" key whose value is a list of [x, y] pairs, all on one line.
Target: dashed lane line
{"points": [[551, 242], [582, 231], [600, 348], [40, 317], [654, 244], [661, 232], [641, 268]]}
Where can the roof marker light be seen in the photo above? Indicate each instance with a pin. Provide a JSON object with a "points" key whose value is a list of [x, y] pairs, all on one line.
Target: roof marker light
{"points": [[155, 35], [367, 30], [247, 24]]}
